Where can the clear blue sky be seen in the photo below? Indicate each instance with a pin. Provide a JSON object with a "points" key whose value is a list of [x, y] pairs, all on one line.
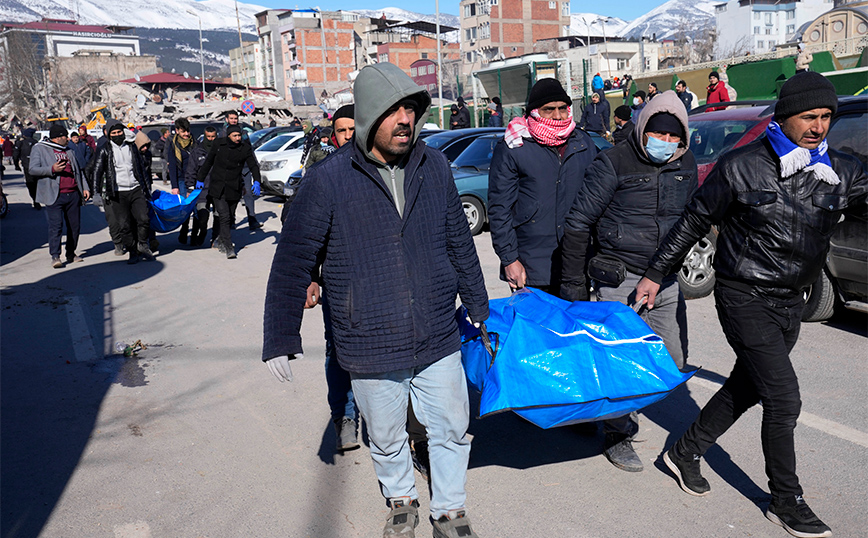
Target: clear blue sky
{"points": [[624, 9]]}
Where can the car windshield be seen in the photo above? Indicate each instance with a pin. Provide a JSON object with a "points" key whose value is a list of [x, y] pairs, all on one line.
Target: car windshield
{"points": [[254, 137], [711, 139], [276, 143], [477, 154], [440, 139]]}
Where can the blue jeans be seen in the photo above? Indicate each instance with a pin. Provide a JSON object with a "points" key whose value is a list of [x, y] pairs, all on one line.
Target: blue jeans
{"points": [[439, 395], [340, 390]]}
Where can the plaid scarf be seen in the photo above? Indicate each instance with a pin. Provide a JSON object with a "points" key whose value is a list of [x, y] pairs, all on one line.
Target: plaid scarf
{"points": [[546, 132], [795, 158]]}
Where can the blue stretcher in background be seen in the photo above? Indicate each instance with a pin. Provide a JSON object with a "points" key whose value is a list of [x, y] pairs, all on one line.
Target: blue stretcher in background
{"points": [[557, 363], [168, 211]]}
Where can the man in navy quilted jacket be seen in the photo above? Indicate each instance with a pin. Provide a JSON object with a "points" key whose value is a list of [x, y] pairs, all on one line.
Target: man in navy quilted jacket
{"points": [[384, 217]]}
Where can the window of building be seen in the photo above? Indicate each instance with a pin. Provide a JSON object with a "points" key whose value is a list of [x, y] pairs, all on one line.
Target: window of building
{"points": [[484, 31], [760, 44], [492, 2], [412, 71], [431, 69], [623, 63], [791, 14], [772, 44], [720, 8], [470, 10], [768, 18], [553, 5], [565, 9], [756, 30], [384, 57], [791, 28], [424, 55], [756, 15], [769, 31]]}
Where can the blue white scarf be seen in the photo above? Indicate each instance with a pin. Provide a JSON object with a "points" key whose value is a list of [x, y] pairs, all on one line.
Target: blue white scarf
{"points": [[795, 158]]}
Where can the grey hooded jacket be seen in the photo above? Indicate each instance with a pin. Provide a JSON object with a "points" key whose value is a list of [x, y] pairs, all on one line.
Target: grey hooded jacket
{"points": [[48, 183]]}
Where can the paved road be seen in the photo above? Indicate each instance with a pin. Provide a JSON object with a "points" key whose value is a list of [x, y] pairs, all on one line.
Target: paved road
{"points": [[194, 438]]}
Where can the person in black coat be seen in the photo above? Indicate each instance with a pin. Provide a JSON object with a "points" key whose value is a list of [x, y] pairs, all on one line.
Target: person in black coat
{"points": [[460, 116], [21, 158], [623, 124], [536, 171], [197, 159], [82, 151], [225, 163], [592, 117]]}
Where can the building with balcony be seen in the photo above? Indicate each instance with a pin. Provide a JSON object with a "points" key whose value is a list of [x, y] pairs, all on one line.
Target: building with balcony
{"points": [[270, 70], [245, 64], [498, 29], [758, 26]]}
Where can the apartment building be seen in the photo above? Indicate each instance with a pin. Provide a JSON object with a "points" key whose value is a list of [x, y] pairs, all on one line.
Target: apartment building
{"points": [[758, 26], [271, 71], [245, 64], [498, 29], [318, 48]]}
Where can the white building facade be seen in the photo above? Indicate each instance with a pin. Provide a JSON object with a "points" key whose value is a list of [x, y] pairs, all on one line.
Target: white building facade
{"points": [[758, 26]]}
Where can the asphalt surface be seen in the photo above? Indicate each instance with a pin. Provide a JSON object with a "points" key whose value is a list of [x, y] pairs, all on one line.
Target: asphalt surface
{"points": [[193, 437]]}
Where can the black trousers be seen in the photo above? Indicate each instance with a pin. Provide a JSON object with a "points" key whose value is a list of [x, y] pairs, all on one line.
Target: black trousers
{"points": [[114, 224], [31, 184], [762, 332], [225, 214], [131, 211], [66, 209]]}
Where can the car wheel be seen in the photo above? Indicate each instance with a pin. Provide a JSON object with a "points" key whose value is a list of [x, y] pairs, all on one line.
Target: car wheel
{"points": [[819, 299], [475, 213], [696, 276]]}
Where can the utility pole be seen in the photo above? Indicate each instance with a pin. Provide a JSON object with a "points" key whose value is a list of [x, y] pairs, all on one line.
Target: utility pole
{"points": [[202, 52], [243, 60], [439, 65]]}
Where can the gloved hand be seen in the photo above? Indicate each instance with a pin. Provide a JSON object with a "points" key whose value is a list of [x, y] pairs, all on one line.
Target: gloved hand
{"points": [[200, 184], [97, 200], [574, 292], [279, 367], [256, 189]]}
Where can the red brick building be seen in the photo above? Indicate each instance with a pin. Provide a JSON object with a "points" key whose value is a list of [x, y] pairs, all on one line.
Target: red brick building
{"points": [[306, 60]]}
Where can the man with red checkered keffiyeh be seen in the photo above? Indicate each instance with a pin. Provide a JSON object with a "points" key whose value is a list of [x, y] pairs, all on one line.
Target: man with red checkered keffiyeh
{"points": [[536, 171]]}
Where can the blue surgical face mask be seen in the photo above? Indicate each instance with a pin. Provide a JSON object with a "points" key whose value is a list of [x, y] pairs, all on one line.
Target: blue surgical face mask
{"points": [[660, 151]]}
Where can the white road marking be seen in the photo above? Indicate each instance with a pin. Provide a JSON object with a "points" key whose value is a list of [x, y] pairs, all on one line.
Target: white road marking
{"points": [[82, 343], [806, 419]]}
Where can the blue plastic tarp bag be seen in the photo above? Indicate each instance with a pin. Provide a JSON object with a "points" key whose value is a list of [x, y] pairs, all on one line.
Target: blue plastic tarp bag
{"points": [[557, 363], [168, 211]]}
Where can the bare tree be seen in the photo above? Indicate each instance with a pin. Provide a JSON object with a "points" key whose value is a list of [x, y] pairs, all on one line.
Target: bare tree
{"points": [[22, 74], [739, 48]]}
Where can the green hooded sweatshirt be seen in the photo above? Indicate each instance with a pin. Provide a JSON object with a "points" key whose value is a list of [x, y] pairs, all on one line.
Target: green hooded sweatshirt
{"points": [[379, 87]]}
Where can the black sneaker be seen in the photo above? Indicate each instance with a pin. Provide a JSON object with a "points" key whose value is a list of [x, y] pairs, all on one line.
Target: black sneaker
{"points": [[133, 259], [797, 518], [622, 455], [687, 472]]}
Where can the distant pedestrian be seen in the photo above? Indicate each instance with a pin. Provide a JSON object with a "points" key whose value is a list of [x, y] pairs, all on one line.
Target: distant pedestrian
{"points": [[460, 115], [225, 162], [595, 118], [597, 83], [623, 124], [272, 123], [21, 159], [638, 101], [684, 95], [248, 195], [82, 151], [803, 59], [178, 151], [204, 202], [716, 92], [494, 119], [62, 189], [85, 136]]}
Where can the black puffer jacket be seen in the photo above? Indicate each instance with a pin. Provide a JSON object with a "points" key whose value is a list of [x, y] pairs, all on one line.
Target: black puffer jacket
{"points": [[774, 233], [104, 178], [629, 200]]}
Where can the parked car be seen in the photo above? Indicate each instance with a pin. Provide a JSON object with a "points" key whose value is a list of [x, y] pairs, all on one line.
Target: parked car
{"points": [[452, 143], [844, 280], [257, 138], [276, 168], [281, 142]]}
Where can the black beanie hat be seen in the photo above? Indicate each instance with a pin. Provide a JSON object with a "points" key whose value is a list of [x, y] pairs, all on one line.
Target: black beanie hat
{"points": [[114, 126], [805, 91], [714, 74], [545, 91], [234, 129], [623, 112], [664, 122], [346, 111], [57, 131]]}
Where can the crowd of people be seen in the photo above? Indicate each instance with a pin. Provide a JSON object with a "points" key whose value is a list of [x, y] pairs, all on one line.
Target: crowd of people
{"points": [[562, 215], [377, 236]]}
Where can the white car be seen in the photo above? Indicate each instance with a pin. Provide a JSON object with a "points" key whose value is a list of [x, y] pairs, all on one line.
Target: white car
{"points": [[281, 142], [276, 167]]}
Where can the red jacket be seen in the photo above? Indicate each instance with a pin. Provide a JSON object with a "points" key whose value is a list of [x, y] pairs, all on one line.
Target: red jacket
{"points": [[716, 94]]}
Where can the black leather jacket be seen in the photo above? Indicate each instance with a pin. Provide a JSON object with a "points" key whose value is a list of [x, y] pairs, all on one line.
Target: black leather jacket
{"points": [[104, 178], [774, 233]]}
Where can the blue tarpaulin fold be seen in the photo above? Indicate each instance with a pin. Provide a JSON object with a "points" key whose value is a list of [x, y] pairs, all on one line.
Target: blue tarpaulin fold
{"points": [[560, 363], [168, 211]]}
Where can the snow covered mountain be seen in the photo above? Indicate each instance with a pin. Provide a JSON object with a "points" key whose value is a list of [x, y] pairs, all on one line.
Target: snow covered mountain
{"points": [[671, 18], [584, 24], [396, 13], [215, 14]]}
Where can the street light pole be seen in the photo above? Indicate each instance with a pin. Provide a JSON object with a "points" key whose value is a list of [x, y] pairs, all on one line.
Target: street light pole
{"points": [[202, 52], [603, 22]]}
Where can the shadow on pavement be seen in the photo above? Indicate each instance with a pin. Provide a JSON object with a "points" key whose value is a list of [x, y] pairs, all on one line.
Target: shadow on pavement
{"points": [[53, 378]]}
